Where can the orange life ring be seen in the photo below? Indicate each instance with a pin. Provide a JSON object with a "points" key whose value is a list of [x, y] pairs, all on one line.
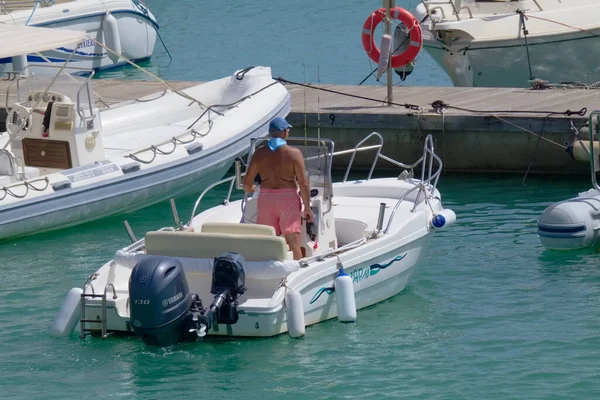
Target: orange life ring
{"points": [[414, 29]]}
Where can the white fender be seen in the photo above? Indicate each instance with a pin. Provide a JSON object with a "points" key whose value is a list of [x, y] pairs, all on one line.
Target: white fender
{"points": [[386, 49], [112, 40], [68, 315], [295, 313], [344, 297], [443, 218]]}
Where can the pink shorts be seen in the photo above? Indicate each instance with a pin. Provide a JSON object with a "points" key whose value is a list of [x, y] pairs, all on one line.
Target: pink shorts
{"points": [[280, 208]]}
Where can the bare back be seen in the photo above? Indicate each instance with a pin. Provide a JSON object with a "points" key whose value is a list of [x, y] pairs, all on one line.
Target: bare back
{"points": [[277, 169]]}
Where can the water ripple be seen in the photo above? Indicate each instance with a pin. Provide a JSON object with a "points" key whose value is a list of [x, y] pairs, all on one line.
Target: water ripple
{"points": [[488, 314]]}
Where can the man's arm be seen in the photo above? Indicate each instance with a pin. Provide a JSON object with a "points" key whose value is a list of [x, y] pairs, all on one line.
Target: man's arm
{"points": [[304, 185], [251, 173]]}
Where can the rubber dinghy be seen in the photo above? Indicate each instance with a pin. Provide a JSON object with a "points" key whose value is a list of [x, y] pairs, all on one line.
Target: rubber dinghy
{"points": [[225, 275], [575, 223], [64, 162]]}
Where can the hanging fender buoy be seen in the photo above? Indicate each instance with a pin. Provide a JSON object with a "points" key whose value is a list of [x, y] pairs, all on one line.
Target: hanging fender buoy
{"points": [[68, 315], [414, 30], [386, 49], [344, 297], [112, 40], [443, 218], [295, 313]]}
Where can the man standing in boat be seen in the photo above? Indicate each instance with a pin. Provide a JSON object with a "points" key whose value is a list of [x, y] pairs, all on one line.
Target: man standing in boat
{"points": [[282, 172]]}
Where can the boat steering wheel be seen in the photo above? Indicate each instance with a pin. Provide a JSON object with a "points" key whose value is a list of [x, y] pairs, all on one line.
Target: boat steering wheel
{"points": [[19, 117]]}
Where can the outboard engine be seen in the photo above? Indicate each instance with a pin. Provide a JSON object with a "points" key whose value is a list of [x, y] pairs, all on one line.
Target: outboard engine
{"points": [[228, 280], [160, 302], [163, 312]]}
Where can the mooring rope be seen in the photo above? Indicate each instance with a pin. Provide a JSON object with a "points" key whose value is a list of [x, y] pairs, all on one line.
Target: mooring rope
{"points": [[441, 107], [409, 106]]}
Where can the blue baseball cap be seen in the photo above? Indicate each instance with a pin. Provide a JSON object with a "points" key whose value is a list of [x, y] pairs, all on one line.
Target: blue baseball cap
{"points": [[278, 124]]}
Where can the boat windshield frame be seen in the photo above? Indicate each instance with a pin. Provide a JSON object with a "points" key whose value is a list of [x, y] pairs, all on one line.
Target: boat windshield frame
{"points": [[82, 81]]}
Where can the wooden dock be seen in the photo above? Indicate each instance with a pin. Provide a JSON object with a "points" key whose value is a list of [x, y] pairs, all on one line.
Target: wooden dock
{"points": [[478, 130]]}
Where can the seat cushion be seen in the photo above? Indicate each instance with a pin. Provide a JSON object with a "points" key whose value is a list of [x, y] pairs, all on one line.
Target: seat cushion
{"points": [[237, 228], [210, 245]]}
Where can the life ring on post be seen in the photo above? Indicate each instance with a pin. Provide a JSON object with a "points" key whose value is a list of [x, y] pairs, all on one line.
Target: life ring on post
{"points": [[414, 30]]}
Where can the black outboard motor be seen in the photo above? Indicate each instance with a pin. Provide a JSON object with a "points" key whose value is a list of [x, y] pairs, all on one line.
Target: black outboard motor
{"points": [[160, 301], [228, 280], [163, 312]]}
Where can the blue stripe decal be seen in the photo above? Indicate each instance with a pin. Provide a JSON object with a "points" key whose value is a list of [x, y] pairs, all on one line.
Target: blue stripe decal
{"points": [[560, 229], [81, 53], [39, 59], [357, 276], [375, 268], [328, 290]]}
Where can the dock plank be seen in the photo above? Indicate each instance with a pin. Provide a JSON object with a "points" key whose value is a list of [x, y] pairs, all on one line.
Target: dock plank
{"points": [[311, 100], [484, 134]]}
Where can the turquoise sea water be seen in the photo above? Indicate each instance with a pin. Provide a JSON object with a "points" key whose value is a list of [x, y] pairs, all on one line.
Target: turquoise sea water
{"points": [[304, 41], [489, 314]]}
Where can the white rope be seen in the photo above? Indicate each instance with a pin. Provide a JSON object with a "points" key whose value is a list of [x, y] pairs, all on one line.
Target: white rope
{"points": [[528, 131], [180, 93]]}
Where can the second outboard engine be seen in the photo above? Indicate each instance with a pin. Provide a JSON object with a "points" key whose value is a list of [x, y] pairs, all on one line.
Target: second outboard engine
{"points": [[160, 302], [228, 280]]}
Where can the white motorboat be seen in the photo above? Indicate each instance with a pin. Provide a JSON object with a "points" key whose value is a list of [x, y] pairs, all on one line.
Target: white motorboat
{"points": [[125, 26], [575, 223], [222, 274], [63, 162], [510, 43]]}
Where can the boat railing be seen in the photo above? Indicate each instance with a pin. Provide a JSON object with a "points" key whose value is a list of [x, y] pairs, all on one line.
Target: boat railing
{"points": [[232, 180], [429, 178], [26, 75], [355, 150], [377, 156], [139, 244], [438, 5], [427, 173], [594, 124]]}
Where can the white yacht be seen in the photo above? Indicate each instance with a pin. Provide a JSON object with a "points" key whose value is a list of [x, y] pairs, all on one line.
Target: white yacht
{"points": [[511, 43]]}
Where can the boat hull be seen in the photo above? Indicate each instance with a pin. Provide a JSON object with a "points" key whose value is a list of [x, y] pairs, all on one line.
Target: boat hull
{"points": [[131, 191], [564, 58], [486, 48], [319, 304], [137, 32], [375, 279]]}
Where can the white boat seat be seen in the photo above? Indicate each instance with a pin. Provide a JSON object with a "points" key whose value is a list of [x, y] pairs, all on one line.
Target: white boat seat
{"points": [[237, 228], [210, 245]]}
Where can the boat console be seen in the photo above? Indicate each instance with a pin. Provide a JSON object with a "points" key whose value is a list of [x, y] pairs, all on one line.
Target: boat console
{"points": [[54, 130]]}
